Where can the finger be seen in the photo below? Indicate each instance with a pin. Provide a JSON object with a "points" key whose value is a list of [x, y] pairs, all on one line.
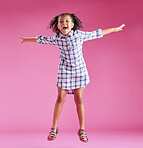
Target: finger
{"points": [[122, 25], [119, 29], [20, 37]]}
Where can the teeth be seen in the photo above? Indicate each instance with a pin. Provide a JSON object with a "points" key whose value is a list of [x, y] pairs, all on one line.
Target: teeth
{"points": [[65, 27]]}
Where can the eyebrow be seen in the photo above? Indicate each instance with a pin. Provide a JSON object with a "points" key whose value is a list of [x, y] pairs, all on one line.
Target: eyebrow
{"points": [[66, 19]]}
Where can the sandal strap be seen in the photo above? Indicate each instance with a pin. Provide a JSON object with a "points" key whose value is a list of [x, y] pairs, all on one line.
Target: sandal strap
{"points": [[53, 133], [82, 130], [55, 130], [83, 135]]}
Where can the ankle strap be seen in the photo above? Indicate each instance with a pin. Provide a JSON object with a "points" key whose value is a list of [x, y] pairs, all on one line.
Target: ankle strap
{"points": [[82, 130], [54, 129]]}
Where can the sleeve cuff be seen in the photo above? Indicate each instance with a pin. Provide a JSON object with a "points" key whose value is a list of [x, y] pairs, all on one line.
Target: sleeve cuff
{"points": [[38, 39], [99, 33]]}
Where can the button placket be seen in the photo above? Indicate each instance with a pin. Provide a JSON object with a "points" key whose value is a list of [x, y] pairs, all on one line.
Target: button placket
{"points": [[69, 48]]}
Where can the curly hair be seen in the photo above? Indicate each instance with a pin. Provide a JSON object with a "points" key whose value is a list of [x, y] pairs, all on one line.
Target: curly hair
{"points": [[53, 23]]}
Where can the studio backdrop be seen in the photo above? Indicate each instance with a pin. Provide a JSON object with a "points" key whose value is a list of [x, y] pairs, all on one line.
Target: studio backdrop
{"points": [[28, 72]]}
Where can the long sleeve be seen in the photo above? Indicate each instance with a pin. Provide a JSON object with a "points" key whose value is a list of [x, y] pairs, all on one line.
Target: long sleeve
{"points": [[85, 35], [46, 40]]}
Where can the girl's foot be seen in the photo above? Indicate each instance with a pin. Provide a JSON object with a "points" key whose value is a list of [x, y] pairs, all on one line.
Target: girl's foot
{"points": [[82, 135], [53, 134]]}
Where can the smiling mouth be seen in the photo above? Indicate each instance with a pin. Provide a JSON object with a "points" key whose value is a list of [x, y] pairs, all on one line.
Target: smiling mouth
{"points": [[65, 28]]}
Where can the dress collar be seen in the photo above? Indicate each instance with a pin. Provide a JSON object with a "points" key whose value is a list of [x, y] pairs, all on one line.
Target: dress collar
{"points": [[69, 35]]}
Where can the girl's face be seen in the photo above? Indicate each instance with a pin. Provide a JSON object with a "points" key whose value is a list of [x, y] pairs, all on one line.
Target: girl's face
{"points": [[65, 24]]}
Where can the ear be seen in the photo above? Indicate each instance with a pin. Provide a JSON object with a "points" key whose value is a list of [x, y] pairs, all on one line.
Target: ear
{"points": [[57, 25], [72, 25]]}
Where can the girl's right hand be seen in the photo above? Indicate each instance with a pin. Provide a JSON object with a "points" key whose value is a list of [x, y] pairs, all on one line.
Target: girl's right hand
{"points": [[23, 39]]}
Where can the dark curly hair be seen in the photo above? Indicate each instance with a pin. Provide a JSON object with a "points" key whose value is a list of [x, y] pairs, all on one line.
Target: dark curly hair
{"points": [[53, 23]]}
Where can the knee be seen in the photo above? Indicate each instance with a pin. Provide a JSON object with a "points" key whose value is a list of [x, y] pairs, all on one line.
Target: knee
{"points": [[61, 98], [78, 100]]}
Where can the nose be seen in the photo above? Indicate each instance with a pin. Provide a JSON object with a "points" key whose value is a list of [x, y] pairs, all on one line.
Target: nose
{"points": [[64, 22]]}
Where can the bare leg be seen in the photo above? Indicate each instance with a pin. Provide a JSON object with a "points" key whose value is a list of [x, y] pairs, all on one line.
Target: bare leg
{"points": [[78, 98], [58, 106]]}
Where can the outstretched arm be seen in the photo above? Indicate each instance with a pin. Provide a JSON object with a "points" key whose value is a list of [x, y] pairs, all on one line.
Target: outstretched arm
{"points": [[27, 39], [106, 31]]}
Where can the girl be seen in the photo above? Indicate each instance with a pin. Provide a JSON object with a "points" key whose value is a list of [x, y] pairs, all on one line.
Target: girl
{"points": [[72, 72]]}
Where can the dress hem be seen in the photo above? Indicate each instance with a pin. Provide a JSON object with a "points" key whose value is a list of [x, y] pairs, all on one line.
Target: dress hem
{"points": [[71, 91]]}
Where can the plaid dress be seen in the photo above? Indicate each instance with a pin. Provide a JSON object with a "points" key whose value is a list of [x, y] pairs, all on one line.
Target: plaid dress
{"points": [[72, 71]]}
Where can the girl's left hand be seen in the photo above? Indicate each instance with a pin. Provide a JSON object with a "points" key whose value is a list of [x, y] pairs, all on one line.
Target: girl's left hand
{"points": [[119, 28]]}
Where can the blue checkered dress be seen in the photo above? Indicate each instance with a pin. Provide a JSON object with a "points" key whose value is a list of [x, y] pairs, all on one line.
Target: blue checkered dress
{"points": [[72, 71]]}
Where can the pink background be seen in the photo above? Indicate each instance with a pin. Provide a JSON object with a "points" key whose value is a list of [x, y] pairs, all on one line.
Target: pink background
{"points": [[28, 72]]}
